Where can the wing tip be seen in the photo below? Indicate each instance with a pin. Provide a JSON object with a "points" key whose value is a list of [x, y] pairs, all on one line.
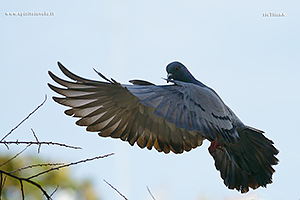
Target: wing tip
{"points": [[59, 64], [140, 82], [53, 76], [68, 73], [102, 76], [57, 99]]}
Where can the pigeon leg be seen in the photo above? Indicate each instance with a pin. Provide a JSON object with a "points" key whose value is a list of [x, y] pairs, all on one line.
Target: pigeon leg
{"points": [[213, 146]]}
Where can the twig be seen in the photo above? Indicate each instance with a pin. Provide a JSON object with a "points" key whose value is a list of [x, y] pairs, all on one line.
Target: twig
{"points": [[22, 189], [2, 183], [6, 146], [24, 119], [115, 189], [28, 181], [14, 156], [54, 191], [36, 165], [67, 165], [37, 140], [150, 193], [39, 143]]}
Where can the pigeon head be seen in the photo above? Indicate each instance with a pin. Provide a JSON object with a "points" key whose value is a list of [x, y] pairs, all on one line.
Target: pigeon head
{"points": [[177, 71]]}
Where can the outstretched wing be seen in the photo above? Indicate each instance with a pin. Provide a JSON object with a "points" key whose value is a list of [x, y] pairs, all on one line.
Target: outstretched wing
{"points": [[191, 107], [112, 110]]}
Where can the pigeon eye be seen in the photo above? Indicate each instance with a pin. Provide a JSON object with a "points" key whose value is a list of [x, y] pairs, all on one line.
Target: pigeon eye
{"points": [[176, 68]]}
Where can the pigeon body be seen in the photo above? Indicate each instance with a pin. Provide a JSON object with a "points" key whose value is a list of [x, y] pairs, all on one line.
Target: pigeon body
{"points": [[176, 117]]}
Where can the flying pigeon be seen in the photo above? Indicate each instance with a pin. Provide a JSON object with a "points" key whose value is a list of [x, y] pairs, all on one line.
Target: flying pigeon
{"points": [[174, 117]]}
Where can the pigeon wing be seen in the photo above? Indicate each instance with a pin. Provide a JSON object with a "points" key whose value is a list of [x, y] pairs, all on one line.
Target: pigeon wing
{"points": [[190, 107], [112, 110]]}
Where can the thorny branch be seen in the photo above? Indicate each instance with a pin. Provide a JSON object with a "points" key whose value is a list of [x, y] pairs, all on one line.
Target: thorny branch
{"points": [[24, 119], [14, 156], [39, 143], [67, 165], [37, 140], [26, 180], [36, 165]]}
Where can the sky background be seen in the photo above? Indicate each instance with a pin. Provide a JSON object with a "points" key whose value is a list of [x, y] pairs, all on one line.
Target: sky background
{"points": [[252, 62]]}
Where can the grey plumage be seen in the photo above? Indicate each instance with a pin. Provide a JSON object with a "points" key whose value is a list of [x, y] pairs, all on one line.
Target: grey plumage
{"points": [[175, 117]]}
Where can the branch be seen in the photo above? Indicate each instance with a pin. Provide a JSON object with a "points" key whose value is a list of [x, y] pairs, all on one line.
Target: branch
{"points": [[37, 140], [22, 189], [115, 189], [36, 165], [150, 193], [14, 156], [28, 181], [54, 191], [24, 119], [67, 165], [2, 183], [39, 143]]}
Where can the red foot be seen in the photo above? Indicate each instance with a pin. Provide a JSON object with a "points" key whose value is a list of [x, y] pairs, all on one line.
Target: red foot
{"points": [[213, 146]]}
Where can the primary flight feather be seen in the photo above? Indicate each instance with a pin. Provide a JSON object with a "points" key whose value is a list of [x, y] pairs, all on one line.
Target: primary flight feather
{"points": [[175, 117]]}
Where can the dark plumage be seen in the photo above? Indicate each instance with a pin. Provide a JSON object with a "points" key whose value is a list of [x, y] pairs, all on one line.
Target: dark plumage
{"points": [[175, 117]]}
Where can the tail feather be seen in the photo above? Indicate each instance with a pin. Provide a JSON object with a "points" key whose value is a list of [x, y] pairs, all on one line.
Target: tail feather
{"points": [[248, 162]]}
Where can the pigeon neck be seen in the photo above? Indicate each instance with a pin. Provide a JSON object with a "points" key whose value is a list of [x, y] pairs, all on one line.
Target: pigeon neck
{"points": [[198, 83], [195, 81]]}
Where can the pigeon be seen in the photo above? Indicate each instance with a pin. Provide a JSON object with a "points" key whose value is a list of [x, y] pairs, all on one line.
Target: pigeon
{"points": [[175, 117]]}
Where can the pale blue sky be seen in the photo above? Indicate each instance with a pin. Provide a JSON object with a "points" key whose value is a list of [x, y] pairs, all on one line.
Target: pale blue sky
{"points": [[250, 60]]}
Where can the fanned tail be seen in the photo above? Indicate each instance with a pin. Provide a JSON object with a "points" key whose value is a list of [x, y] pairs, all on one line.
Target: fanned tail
{"points": [[246, 163]]}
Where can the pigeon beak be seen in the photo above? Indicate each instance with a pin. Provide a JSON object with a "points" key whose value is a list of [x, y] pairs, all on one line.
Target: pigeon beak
{"points": [[169, 77]]}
